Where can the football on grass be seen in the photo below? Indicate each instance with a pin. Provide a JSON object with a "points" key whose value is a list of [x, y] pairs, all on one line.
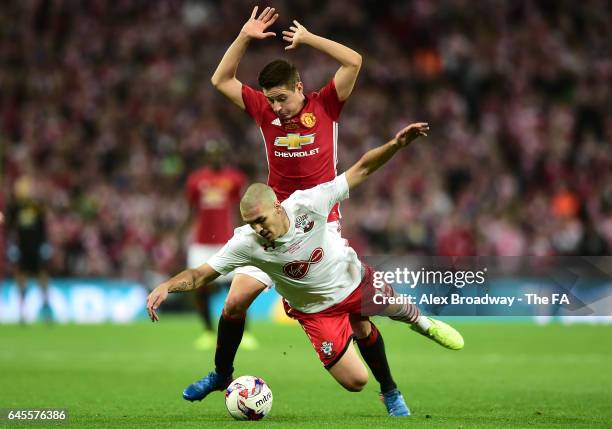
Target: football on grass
{"points": [[248, 398]]}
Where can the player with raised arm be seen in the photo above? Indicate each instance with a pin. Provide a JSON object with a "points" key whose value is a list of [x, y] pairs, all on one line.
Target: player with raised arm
{"points": [[323, 283], [300, 132]]}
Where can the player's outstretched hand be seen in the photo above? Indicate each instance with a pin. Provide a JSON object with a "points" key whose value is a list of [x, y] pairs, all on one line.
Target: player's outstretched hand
{"points": [[413, 131], [255, 27], [155, 298], [296, 36]]}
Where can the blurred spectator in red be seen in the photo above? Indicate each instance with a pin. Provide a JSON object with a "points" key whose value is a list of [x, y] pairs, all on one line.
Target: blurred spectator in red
{"points": [[213, 192]]}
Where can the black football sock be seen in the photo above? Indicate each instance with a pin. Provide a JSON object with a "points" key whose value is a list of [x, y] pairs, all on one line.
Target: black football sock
{"points": [[229, 335], [372, 349]]}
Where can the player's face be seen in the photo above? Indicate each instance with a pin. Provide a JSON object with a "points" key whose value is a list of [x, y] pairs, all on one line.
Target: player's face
{"points": [[286, 102], [265, 221]]}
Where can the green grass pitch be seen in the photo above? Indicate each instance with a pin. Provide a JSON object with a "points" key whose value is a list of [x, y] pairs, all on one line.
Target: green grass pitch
{"points": [[132, 376]]}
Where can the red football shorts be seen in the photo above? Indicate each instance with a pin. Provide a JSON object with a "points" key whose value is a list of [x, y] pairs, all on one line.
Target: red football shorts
{"points": [[329, 330]]}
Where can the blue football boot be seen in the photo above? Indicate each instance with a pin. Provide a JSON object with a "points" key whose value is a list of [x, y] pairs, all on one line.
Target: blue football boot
{"points": [[201, 388], [394, 401]]}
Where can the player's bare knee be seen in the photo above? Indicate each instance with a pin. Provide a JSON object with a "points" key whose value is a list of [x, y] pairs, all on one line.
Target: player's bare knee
{"points": [[355, 384], [242, 293], [235, 307]]}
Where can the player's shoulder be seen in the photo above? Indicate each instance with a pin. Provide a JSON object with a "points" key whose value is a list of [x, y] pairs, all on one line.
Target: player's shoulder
{"points": [[244, 236], [255, 97], [298, 199], [303, 201], [322, 91], [248, 90], [314, 98], [243, 232], [318, 103], [247, 241]]}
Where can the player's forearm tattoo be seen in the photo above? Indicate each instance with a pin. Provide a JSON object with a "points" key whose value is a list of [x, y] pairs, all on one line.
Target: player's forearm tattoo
{"points": [[193, 279], [182, 285]]}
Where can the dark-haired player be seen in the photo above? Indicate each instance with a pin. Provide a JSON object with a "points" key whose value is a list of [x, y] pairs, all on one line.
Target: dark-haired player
{"points": [[300, 132]]}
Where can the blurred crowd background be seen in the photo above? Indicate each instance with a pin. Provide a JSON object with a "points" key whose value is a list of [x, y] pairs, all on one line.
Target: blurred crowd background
{"points": [[106, 106]]}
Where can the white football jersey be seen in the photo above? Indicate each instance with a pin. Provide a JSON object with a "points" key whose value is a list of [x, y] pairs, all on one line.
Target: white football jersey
{"points": [[312, 268]]}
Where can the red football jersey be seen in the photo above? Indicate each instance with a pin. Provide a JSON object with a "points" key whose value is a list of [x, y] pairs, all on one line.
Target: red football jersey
{"points": [[301, 151], [215, 193]]}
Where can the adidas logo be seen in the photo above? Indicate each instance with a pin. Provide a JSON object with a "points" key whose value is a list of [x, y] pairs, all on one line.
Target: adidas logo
{"points": [[276, 122]]}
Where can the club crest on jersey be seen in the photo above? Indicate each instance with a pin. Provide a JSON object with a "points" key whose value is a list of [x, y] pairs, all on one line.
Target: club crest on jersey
{"points": [[308, 119], [302, 222], [299, 269], [294, 141], [327, 348]]}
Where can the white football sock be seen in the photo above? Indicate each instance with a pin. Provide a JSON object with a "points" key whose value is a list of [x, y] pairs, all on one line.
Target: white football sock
{"points": [[423, 323]]}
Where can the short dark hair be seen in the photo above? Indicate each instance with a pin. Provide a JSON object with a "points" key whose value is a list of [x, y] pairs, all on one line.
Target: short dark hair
{"points": [[279, 73]]}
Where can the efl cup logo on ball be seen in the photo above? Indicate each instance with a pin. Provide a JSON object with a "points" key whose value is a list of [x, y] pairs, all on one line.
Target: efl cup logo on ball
{"points": [[248, 398]]}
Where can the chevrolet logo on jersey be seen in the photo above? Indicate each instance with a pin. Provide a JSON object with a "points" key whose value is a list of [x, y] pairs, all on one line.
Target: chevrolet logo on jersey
{"points": [[294, 141]]}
